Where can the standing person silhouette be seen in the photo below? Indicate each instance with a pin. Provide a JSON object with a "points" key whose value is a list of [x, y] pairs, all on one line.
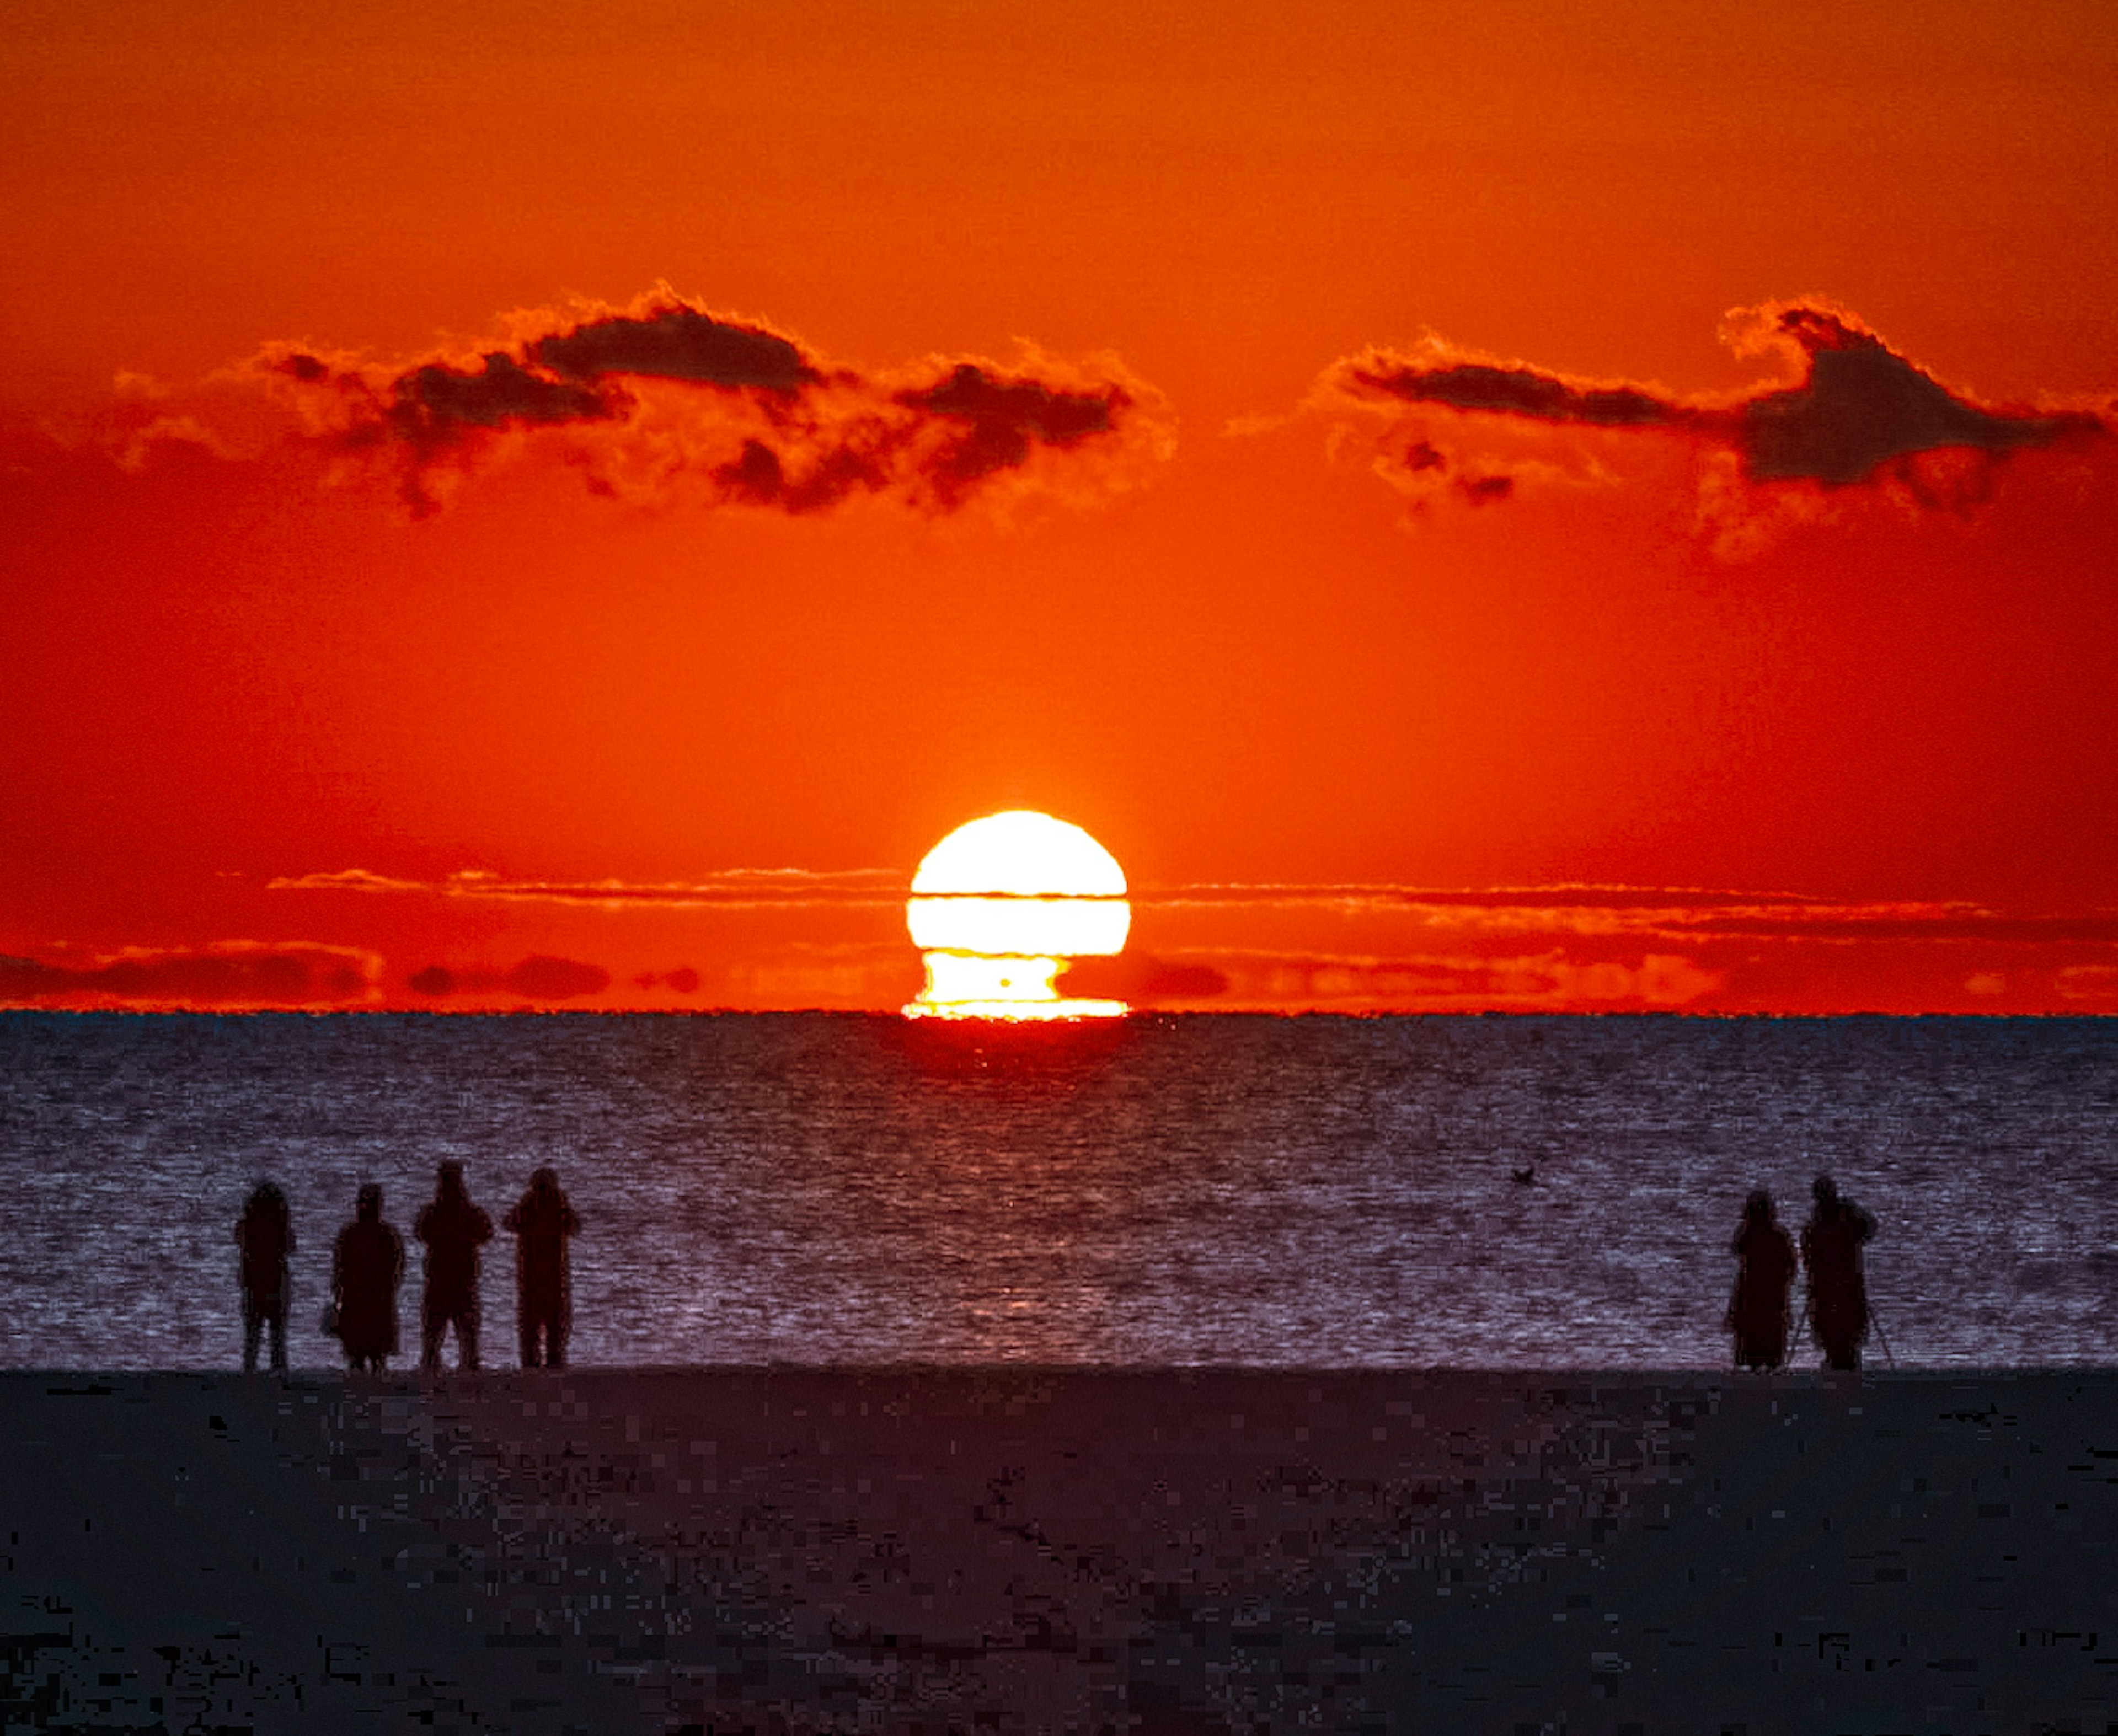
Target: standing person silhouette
{"points": [[1758, 1312], [1837, 1292], [367, 1264], [540, 1222], [454, 1229], [265, 1234]]}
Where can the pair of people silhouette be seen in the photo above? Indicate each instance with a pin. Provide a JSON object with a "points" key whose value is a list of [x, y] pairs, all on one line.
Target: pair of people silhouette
{"points": [[1837, 1310], [367, 1269]]}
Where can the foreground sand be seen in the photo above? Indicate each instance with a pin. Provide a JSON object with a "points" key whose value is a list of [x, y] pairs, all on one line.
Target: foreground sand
{"points": [[1173, 1553]]}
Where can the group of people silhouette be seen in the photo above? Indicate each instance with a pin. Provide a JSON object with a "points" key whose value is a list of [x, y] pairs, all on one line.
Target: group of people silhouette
{"points": [[367, 1269], [1759, 1314]]}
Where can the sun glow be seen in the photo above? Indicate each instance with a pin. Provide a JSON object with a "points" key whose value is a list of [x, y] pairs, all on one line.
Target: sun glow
{"points": [[998, 907]]}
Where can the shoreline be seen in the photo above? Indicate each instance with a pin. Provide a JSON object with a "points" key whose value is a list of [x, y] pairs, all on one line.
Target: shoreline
{"points": [[1186, 1550]]}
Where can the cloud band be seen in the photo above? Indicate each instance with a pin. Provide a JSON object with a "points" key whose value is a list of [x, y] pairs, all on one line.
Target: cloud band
{"points": [[663, 394], [1857, 414]]}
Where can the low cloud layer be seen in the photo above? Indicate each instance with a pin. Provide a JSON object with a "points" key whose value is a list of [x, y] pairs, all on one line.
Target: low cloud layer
{"points": [[540, 977], [664, 395], [1337, 946], [231, 974], [1643, 913], [1646, 913], [1546, 981], [1367, 947], [1858, 415], [1145, 981], [734, 888]]}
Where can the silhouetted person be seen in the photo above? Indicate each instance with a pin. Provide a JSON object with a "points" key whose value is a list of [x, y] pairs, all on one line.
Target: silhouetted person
{"points": [[1838, 1293], [367, 1264], [454, 1229], [265, 1234], [540, 1223], [1758, 1312]]}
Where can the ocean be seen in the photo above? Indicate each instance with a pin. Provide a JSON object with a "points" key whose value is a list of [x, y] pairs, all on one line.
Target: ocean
{"points": [[826, 1190]]}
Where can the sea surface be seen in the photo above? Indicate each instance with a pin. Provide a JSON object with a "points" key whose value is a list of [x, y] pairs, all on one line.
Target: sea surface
{"points": [[827, 1188]]}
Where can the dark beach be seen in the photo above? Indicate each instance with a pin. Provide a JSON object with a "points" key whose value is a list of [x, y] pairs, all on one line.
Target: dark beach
{"points": [[1164, 1552]]}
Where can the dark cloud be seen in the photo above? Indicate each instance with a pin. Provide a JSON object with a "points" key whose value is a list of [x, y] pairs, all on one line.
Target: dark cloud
{"points": [[1000, 421], [1421, 457], [1859, 414], [1168, 981], [541, 977], [663, 392], [232, 974], [1144, 980], [1862, 405], [862, 458], [538, 977], [1511, 391], [675, 342], [1551, 981], [755, 475], [684, 979], [433, 405]]}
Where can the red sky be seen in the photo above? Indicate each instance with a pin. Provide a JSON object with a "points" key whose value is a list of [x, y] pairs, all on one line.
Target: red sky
{"points": [[1311, 448]]}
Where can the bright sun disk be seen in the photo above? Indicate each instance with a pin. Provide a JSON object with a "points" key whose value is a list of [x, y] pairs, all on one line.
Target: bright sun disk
{"points": [[999, 906]]}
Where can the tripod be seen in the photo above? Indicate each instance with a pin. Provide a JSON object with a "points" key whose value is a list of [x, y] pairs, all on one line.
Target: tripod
{"points": [[1882, 1337]]}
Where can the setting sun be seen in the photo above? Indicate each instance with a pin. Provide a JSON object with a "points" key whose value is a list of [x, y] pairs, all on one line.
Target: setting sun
{"points": [[1001, 903]]}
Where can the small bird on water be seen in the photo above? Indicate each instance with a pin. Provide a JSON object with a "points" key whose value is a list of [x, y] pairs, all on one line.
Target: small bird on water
{"points": [[1527, 1175]]}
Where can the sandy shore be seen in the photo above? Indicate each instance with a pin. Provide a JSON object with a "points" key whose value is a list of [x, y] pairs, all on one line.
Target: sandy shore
{"points": [[1172, 1554]]}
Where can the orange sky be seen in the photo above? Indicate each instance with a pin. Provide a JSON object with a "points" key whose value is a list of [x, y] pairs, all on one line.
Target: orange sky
{"points": [[1308, 447]]}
